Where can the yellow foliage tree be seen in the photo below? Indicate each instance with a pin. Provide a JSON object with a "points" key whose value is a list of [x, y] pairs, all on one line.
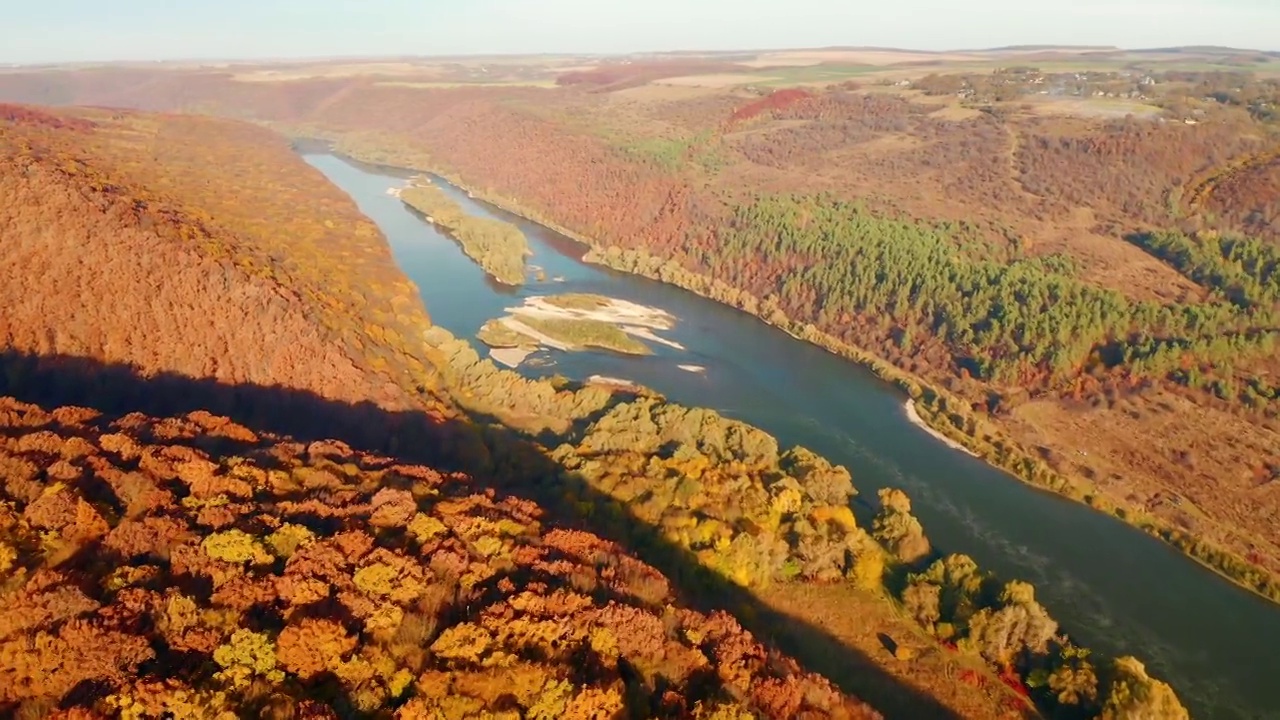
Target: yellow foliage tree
{"points": [[246, 656], [235, 546]]}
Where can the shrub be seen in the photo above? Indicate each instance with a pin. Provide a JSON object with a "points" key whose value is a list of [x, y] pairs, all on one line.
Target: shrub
{"points": [[897, 528], [462, 643], [376, 579], [8, 556], [248, 655], [313, 646], [234, 546], [288, 538], [425, 527], [867, 571], [1133, 694]]}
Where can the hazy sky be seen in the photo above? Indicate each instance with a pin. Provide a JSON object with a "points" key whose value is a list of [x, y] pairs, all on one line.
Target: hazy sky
{"points": [[67, 30]]}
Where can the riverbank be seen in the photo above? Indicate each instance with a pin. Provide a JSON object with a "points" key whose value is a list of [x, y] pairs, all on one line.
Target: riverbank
{"points": [[919, 422], [614, 383], [937, 409]]}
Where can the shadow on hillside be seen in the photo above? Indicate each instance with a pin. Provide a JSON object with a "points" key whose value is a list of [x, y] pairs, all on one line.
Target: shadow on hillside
{"points": [[492, 454]]}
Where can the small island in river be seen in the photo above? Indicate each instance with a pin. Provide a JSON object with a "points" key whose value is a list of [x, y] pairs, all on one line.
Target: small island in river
{"points": [[575, 322], [498, 247]]}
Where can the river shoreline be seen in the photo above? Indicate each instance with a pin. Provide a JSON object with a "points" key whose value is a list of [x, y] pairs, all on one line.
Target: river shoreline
{"points": [[912, 385], [914, 417]]}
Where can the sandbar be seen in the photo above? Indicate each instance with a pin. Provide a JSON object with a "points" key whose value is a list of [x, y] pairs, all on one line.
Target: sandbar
{"points": [[919, 422], [575, 322], [510, 356], [611, 381], [647, 334], [611, 310]]}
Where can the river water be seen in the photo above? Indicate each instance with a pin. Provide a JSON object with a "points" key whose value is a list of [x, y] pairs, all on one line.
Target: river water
{"points": [[1110, 586]]}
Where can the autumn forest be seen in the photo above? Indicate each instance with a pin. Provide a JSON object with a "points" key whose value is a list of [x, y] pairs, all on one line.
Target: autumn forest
{"points": [[243, 475]]}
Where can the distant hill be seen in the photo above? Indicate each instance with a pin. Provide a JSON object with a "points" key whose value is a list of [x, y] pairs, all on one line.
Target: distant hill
{"points": [[1037, 48], [1198, 49]]}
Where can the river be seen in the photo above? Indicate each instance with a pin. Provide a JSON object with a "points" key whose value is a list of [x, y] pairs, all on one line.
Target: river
{"points": [[1110, 586]]}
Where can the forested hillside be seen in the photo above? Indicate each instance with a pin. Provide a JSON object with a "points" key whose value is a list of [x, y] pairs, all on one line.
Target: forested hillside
{"points": [[174, 244], [153, 578], [1080, 286]]}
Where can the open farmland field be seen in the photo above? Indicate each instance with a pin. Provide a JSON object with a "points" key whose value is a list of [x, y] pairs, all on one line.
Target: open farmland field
{"points": [[824, 74], [1094, 107], [719, 80]]}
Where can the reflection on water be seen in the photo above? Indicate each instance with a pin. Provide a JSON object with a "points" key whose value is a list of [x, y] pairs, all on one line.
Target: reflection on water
{"points": [[1110, 586]]}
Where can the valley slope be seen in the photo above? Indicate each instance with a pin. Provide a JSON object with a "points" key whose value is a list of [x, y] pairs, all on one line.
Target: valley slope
{"points": [[173, 245]]}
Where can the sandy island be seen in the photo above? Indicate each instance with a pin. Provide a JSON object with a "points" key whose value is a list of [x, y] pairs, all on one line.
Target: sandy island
{"points": [[692, 368], [613, 382], [632, 318], [540, 338], [647, 334], [610, 310], [511, 356], [919, 422], [514, 337]]}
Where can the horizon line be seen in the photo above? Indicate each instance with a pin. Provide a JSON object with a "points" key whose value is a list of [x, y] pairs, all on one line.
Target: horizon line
{"points": [[1029, 48]]}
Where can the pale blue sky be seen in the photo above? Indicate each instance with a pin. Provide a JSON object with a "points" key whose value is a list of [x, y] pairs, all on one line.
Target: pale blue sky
{"points": [[75, 30]]}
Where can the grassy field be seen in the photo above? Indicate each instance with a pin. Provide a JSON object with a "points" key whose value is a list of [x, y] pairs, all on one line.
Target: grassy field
{"points": [[717, 80], [1264, 68], [579, 301], [818, 74], [587, 333], [445, 85], [865, 621], [774, 76], [498, 334], [1093, 107]]}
